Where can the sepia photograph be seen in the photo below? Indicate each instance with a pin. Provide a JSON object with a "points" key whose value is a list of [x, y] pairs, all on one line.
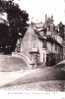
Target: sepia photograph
{"points": [[32, 45]]}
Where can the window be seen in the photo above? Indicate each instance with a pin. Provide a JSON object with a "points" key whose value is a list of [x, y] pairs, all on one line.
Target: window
{"points": [[55, 47], [44, 44]]}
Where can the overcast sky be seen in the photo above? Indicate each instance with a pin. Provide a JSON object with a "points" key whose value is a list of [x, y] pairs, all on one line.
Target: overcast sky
{"points": [[38, 8]]}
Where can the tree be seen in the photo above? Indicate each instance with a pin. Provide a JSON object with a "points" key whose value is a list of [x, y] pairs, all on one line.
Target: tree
{"points": [[16, 25], [61, 29]]}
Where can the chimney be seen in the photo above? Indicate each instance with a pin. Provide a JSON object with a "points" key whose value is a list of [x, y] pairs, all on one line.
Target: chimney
{"points": [[52, 19]]}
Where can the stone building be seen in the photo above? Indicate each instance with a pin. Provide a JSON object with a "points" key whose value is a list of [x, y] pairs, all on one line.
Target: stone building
{"points": [[42, 43], [54, 41], [32, 47]]}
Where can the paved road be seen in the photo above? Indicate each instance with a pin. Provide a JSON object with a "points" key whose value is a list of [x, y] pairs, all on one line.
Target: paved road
{"points": [[47, 78]]}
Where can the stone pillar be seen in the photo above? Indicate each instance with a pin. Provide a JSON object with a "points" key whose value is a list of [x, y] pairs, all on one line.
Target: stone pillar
{"points": [[43, 56]]}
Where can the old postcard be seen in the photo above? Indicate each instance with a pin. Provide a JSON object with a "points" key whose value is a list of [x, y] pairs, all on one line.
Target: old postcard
{"points": [[32, 46]]}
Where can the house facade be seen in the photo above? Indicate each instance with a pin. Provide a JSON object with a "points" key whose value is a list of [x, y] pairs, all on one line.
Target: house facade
{"points": [[42, 43], [32, 47]]}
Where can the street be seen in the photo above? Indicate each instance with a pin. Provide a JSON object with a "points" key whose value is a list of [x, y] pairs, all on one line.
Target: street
{"points": [[52, 85], [38, 79], [13, 76]]}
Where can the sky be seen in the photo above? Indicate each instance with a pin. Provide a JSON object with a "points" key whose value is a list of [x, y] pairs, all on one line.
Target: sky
{"points": [[38, 8]]}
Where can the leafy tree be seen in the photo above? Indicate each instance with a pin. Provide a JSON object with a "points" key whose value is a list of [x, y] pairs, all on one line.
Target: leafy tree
{"points": [[15, 25]]}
